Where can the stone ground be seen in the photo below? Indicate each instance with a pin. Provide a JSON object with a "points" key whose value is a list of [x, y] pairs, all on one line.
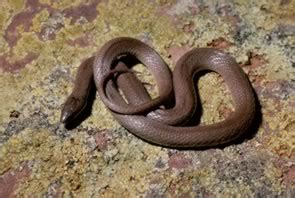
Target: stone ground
{"points": [[43, 42]]}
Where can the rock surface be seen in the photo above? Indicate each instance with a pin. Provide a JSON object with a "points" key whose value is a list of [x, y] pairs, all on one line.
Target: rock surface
{"points": [[41, 45]]}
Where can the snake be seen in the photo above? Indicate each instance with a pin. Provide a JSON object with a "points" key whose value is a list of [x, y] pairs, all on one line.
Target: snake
{"points": [[162, 120]]}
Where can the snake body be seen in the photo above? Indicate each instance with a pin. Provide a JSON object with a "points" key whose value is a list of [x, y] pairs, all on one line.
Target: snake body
{"points": [[141, 115]]}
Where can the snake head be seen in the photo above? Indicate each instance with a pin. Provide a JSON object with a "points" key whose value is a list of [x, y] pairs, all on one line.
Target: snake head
{"points": [[71, 109]]}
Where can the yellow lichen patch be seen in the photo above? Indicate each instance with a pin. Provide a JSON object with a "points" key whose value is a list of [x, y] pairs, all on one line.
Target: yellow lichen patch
{"points": [[14, 6], [230, 190], [132, 170], [13, 96], [208, 29], [214, 95], [178, 183], [65, 3], [18, 148], [101, 117], [279, 66], [38, 20], [269, 12], [282, 141], [165, 2], [274, 175], [123, 19], [53, 160], [28, 43]]}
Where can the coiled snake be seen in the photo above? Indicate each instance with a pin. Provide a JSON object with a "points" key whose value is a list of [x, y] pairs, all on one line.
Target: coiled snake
{"points": [[142, 115]]}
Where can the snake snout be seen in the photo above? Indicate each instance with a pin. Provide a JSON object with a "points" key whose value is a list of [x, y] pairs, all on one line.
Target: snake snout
{"points": [[72, 107]]}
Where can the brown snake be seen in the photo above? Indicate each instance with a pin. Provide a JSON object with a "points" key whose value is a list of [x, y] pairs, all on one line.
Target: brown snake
{"points": [[142, 115]]}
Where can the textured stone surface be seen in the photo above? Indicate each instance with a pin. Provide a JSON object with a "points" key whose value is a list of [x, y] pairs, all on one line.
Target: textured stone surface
{"points": [[41, 45]]}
